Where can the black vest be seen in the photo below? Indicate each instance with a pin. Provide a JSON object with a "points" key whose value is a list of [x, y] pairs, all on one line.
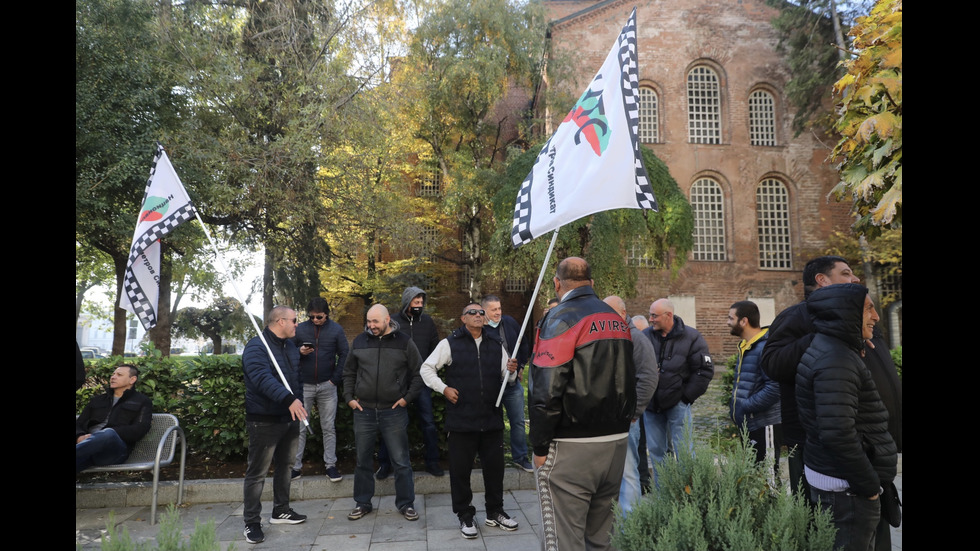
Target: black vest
{"points": [[476, 375]]}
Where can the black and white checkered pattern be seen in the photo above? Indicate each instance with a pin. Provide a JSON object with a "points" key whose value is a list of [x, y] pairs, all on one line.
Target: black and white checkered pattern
{"points": [[144, 309], [631, 103], [520, 233]]}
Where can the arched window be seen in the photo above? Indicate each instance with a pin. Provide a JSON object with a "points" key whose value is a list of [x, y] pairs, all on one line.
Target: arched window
{"points": [[703, 106], [762, 118], [772, 213], [649, 122], [707, 202]]}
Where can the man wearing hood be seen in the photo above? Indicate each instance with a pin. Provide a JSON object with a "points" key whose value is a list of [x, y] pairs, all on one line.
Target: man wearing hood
{"points": [[419, 327], [849, 454], [685, 372], [381, 378]]}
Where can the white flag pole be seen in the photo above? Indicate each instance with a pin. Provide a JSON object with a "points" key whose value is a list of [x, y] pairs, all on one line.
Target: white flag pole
{"points": [[238, 293], [527, 315]]}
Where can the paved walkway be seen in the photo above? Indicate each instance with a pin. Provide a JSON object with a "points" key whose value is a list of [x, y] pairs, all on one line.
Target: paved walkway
{"points": [[327, 528]]}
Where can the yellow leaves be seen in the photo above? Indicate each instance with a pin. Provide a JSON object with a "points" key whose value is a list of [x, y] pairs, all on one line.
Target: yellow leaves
{"points": [[888, 205], [882, 125]]}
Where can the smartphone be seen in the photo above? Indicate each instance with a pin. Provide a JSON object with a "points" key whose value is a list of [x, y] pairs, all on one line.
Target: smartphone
{"points": [[309, 344]]}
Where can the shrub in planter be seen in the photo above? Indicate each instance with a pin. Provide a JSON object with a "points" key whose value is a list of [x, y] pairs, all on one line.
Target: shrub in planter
{"points": [[720, 502]]}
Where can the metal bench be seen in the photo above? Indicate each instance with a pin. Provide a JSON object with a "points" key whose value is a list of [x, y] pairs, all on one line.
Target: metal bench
{"points": [[156, 449]]}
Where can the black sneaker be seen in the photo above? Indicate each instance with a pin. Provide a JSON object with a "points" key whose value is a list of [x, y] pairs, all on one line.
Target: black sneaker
{"points": [[296, 474], [287, 517], [334, 475], [253, 533], [410, 513], [467, 529], [434, 469], [358, 512], [383, 472]]}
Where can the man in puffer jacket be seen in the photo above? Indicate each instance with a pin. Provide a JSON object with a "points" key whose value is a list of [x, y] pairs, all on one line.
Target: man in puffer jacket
{"points": [[686, 370], [754, 405], [849, 453]]}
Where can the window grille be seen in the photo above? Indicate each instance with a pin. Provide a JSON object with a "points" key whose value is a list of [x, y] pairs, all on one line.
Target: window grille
{"points": [[649, 123], [638, 254], [772, 216], [762, 118], [430, 182], [703, 106], [707, 202]]}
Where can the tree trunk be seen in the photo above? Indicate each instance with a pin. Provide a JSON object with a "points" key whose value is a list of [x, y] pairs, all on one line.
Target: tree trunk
{"points": [[119, 328], [268, 283], [159, 335]]}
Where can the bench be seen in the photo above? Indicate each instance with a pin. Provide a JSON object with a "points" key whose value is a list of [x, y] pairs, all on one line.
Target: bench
{"points": [[156, 449]]}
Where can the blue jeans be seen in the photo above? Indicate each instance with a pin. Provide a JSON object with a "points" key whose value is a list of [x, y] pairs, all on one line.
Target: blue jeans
{"points": [[269, 444], [667, 430], [392, 425], [630, 490], [104, 447], [855, 517], [513, 402], [427, 424], [324, 395]]}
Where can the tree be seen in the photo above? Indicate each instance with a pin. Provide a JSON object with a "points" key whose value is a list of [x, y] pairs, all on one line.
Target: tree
{"points": [[665, 237], [870, 122], [270, 83], [811, 34], [464, 59], [225, 317], [124, 100]]}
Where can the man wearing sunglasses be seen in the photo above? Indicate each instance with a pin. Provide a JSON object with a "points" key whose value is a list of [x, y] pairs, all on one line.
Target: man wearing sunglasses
{"points": [[273, 414], [476, 363], [323, 351]]}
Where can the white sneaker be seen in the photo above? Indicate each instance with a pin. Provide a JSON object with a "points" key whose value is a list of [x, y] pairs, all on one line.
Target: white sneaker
{"points": [[467, 529], [502, 520]]}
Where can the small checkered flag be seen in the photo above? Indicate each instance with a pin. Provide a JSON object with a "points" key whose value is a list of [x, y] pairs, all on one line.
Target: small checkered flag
{"points": [[593, 161], [165, 206]]}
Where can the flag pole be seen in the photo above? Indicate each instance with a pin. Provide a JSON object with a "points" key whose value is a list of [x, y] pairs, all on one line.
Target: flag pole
{"points": [[238, 293], [527, 315]]}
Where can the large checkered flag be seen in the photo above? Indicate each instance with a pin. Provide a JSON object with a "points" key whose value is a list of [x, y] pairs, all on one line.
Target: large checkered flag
{"points": [[592, 162], [165, 206]]}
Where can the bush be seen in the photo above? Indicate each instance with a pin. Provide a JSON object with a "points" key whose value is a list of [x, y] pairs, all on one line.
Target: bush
{"points": [[169, 538], [160, 378], [897, 358], [213, 413], [723, 502]]}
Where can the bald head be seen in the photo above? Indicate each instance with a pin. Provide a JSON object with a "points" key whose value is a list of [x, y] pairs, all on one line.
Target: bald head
{"points": [[572, 273], [617, 304], [640, 322], [378, 320], [662, 316]]}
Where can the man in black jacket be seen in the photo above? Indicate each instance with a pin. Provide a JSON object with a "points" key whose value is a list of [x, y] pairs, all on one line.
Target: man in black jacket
{"points": [[849, 454], [381, 378], [686, 370], [789, 336], [418, 326], [583, 398], [476, 363], [112, 423]]}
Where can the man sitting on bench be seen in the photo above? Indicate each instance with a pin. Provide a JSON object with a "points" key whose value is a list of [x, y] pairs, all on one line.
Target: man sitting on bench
{"points": [[112, 423]]}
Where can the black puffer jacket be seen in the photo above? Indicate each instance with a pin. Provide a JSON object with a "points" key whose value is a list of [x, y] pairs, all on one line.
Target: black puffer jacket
{"points": [[845, 421], [582, 372], [686, 368]]}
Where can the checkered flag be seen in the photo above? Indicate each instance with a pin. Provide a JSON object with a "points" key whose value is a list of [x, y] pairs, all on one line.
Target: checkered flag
{"points": [[165, 206], [593, 162]]}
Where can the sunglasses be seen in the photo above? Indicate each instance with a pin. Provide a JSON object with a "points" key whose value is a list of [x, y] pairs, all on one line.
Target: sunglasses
{"points": [[317, 317], [475, 312]]}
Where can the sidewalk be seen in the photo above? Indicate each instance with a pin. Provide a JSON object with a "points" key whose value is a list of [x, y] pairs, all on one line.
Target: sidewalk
{"points": [[384, 529]]}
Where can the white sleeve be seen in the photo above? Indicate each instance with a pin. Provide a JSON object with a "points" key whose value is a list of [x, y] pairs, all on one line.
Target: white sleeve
{"points": [[511, 377], [441, 356]]}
